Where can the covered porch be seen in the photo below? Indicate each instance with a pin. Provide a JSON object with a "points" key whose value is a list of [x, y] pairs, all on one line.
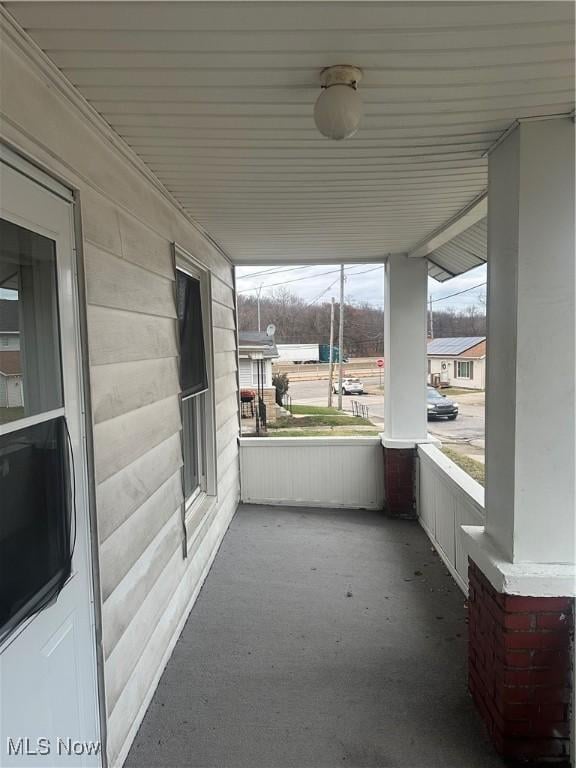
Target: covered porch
{"points": [[328, 632], [321, 637]]}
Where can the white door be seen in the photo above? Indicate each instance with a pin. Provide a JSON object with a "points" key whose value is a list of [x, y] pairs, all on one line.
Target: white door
{"points": [[48, 683]]}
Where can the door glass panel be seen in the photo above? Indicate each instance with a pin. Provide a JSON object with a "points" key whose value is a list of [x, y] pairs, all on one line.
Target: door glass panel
{"points": [[30, 363], [36, 531]]}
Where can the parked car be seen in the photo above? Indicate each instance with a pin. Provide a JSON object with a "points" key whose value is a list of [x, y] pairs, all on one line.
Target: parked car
{"points": [[440, 406], [350, 387]]}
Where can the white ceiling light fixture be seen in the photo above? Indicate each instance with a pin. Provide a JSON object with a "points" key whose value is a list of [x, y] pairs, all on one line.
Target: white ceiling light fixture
{"points": [[339, 109]]}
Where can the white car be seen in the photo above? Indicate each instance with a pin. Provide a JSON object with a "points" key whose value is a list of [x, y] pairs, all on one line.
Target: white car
{"points": [[350, 387]]}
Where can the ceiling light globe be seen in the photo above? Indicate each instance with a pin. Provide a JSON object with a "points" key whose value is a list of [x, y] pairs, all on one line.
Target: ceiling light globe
{"points": [[338, 111]]}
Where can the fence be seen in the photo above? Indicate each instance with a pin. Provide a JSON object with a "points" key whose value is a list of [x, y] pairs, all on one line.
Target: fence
{"points": [[359, 409]]}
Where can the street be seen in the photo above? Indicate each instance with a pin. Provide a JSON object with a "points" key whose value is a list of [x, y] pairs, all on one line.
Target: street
{"points": [[466, 433]]}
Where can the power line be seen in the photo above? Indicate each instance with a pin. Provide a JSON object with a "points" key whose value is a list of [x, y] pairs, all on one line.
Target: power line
{"points": [[323, 292], [274, 270], [309, 277], [285, 282], [443, 298], [351, 274]]}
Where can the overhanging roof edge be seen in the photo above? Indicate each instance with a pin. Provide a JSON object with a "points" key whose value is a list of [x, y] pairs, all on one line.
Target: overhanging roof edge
{"points": [[463, 220]]}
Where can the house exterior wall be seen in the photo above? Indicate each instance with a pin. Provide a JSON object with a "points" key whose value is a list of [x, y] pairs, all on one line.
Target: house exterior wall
{"points": [[9, 341], [14, 397], [128, 226], [478, 370], [248, 372], [248, 380]]}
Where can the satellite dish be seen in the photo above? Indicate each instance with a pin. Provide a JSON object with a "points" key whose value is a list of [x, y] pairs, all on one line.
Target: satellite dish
{"points": [[271, 330]]}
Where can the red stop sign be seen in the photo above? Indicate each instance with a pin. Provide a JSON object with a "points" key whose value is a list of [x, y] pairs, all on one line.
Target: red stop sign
{"points": [[380, 363]]}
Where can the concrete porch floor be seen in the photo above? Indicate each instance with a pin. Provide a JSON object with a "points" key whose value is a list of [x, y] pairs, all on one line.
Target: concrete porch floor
{"points": [[321, 638]]}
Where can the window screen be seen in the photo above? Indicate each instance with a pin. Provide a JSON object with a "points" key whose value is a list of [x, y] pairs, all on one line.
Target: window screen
{"points": [[193, 375], [190, 445], [36, 541]]}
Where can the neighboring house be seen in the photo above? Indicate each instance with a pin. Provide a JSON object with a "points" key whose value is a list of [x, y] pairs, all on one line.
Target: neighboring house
{"points": [[256, 350], [11, 395], [10, 379], [457, 361], [9, 329]]}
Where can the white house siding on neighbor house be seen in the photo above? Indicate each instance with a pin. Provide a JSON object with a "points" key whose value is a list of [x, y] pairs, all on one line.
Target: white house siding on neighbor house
{"points": [[128, 228], [11, 391], [9, 342], [478, 380], [249, 372]]}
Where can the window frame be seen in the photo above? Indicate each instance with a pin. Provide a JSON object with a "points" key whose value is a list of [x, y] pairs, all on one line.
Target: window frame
{"points": [[468, 364], [206, 411], [45, 414]]}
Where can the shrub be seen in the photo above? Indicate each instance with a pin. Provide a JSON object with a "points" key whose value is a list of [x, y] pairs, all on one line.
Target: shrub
{"points": [[281, 382]]}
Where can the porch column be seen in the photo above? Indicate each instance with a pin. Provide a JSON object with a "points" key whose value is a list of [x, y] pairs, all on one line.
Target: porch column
{"points": [[521, 563], [405, 420]]}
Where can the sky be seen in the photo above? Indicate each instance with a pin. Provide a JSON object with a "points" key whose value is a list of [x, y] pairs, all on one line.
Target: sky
{"points": [[364, 284]]}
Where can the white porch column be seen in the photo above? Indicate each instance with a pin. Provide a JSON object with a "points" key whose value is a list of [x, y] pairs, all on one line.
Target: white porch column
{"points": [[530, 414], [405, 292], [405, 419], [521, 574]]}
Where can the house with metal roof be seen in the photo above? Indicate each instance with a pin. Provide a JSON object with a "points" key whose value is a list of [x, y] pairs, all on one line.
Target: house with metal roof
{"points": [[458, 361], [256, 350]]}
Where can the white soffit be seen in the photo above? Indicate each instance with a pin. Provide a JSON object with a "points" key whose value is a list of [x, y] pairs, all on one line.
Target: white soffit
{"points": [[465, 251], [217, 99]]}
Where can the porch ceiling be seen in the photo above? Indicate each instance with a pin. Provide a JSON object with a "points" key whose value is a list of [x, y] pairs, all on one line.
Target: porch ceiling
{"points": [[217, 99]]}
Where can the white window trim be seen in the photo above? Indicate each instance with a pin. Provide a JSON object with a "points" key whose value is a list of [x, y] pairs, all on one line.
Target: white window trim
{"points": [[185, 262], [470, 369]]}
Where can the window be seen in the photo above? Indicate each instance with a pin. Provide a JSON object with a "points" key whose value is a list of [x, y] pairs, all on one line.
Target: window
{"points": [[36, 539], [29, 312], [198, 444], [463, 369]]}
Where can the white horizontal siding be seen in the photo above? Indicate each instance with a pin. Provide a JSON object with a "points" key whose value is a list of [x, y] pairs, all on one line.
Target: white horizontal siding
{"points": [[128, 227], [245, 372], [315, 472]]}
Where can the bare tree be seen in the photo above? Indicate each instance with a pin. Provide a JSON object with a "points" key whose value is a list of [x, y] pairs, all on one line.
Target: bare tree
{"points": [[297, 321]]}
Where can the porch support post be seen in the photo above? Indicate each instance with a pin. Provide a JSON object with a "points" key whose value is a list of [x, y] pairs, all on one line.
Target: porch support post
{"points": [[405, 420], [522, 576]]}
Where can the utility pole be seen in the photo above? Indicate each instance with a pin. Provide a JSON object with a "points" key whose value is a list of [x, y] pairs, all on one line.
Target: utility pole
{"points": [[258, 294], [341, 337], [431, 318], [331, 358]]}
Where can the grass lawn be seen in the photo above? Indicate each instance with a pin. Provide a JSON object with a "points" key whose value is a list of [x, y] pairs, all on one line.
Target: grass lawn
{"points": [[314, 409], [334, 432], [9, 414], [318, 420], [474, 468]]}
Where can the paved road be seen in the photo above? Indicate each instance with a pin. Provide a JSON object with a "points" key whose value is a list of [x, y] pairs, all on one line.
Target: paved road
{"points": [[466, 432]]}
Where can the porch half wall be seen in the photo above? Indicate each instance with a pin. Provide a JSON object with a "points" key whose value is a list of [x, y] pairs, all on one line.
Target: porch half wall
{"points": [[128, 226], [313, 471]]}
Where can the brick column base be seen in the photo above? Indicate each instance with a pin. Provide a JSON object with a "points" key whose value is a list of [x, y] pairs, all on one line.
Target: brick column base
{"points": [[399, 479], [519, 669]]}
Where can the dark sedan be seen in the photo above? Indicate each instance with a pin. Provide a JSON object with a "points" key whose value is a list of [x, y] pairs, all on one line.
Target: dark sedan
{"points": [[439, 406]]}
